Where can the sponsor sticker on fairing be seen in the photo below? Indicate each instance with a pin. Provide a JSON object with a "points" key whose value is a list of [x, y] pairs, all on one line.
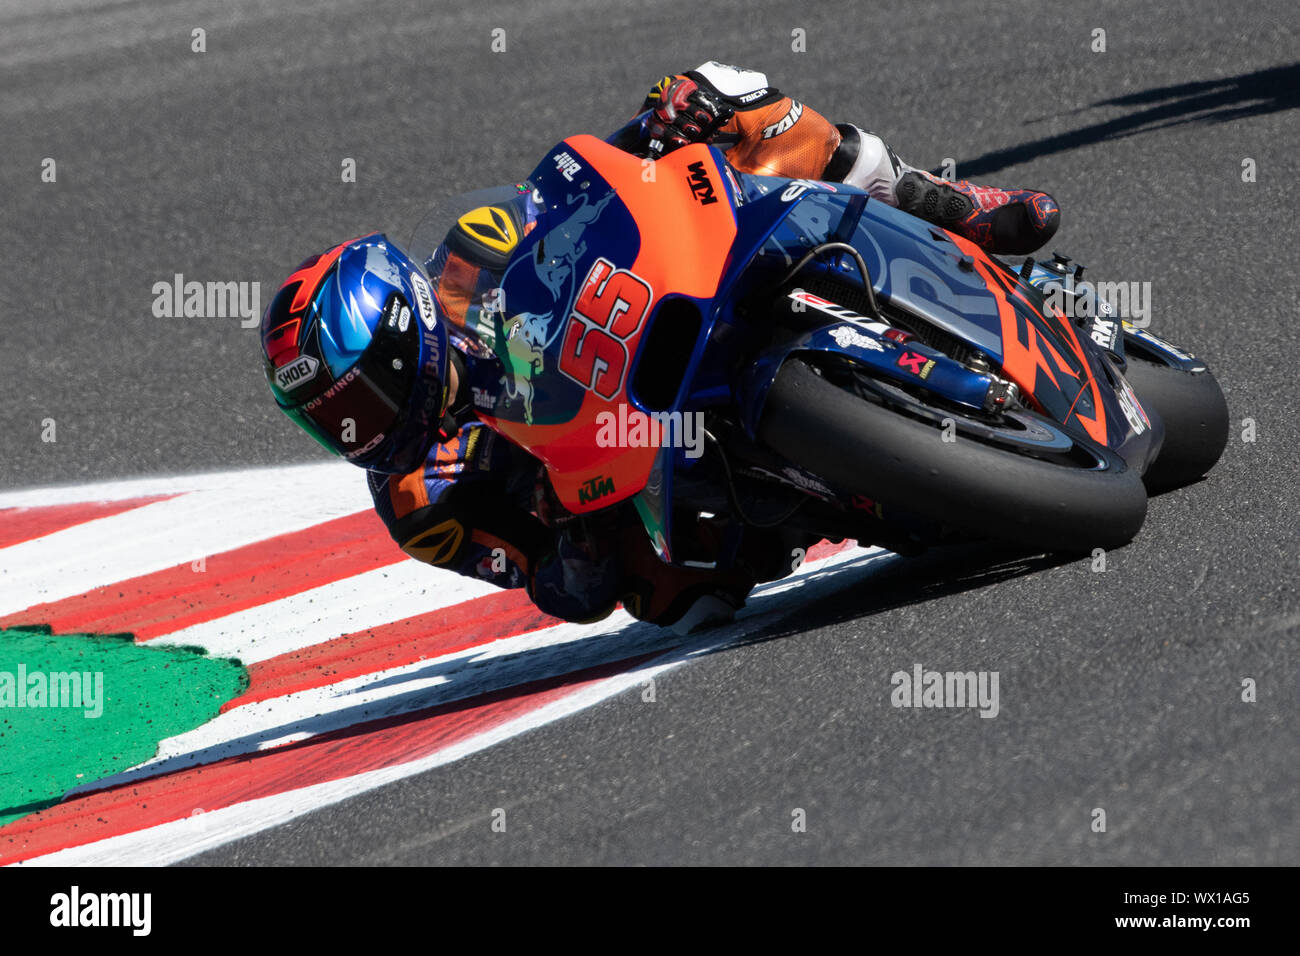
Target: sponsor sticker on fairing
{"points": [[837, 311], [566, 165], [919, 365], [298, 372], [798, 187], [1132, 408], [1104, 332], [700, 184], [846, 336]]}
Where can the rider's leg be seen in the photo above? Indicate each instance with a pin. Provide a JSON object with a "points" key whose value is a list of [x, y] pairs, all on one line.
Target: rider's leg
{"points": [[1014, 221]]}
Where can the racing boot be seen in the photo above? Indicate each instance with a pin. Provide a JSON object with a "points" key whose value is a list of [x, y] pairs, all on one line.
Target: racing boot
{"points": [[1008, 221]]}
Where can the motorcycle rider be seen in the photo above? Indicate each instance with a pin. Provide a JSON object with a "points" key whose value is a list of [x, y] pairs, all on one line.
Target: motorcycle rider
{"points": [[363, 354]]}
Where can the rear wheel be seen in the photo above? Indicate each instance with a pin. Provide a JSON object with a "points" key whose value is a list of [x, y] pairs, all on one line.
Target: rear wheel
{"points": [[1061, 495], [1195, 416]]}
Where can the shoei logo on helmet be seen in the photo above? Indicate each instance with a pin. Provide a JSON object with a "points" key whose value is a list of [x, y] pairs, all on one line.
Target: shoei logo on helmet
{"points": [[298, 372], [424, 299]]}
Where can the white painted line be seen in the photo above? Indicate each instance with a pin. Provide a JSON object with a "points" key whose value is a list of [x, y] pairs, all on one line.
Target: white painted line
{"points": [[167, 533], [290, 476], [371, 599]]}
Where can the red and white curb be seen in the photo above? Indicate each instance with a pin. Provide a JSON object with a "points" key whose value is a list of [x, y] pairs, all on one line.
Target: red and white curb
{"points": [[365, 667]]}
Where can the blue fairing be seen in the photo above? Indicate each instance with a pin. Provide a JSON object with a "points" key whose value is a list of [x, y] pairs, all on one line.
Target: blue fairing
{"points": [[780, 220], [911, 263], [916, 271]]}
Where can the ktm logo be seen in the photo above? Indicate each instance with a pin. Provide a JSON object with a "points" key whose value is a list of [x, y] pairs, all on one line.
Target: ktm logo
{"points": [[790, 118], [701, 187], [490, 226], [595, 488]]}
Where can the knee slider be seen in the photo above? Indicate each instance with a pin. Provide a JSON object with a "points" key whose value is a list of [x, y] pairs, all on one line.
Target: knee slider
{"points": [[866, 161]]}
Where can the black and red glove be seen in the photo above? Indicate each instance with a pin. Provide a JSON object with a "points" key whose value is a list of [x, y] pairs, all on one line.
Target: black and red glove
{"points": [[686, 113]]}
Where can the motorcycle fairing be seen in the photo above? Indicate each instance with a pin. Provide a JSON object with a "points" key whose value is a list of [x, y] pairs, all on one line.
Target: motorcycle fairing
{"points": [[604, 221], [954, 285], [695, 230]]}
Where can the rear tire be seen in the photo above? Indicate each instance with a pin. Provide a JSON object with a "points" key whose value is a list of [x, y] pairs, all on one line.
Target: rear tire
{"points": [[865, 448], [1195, 415]]}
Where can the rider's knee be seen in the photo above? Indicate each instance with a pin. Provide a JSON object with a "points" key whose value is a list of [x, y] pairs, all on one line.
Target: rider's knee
{"points": [[865, 160]]}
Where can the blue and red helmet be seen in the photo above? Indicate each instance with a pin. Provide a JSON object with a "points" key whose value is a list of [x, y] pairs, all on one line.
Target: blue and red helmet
{"points": [[356, 354]]}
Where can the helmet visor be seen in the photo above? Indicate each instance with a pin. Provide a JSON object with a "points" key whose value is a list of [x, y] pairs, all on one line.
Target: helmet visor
{"points": [[366, 405]]}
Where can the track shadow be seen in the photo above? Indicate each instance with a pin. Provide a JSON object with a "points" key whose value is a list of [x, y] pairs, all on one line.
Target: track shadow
{"points": [[904, 582], [1207, 101]]}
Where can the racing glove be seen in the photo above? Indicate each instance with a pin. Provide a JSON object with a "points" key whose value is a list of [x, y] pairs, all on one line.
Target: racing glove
{"points": [[686, 113]]}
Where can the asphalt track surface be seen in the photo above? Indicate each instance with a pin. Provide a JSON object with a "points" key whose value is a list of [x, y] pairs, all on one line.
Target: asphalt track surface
{"points": [[1119, 690]]}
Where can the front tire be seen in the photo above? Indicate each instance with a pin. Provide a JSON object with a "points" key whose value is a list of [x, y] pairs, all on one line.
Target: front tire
{"points": [[866, 448], [1195, 415]]}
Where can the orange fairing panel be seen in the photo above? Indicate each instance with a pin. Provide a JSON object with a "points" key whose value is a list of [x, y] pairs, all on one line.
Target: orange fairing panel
{"points": [[686, 228], [684, 241], [1024, 362]]}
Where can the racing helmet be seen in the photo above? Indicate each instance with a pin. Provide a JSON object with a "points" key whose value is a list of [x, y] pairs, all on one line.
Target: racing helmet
{"points": [[355, 352]]}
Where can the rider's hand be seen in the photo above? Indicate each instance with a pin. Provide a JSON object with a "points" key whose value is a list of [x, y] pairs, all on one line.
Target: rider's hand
{"points": [[686, 114]]}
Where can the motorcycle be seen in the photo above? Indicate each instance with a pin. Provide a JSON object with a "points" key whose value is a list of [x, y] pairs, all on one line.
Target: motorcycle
{"points": [[791, 354]]}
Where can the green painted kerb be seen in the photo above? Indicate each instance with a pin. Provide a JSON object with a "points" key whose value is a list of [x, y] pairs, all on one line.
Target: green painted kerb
{"points": [[79, 707]]}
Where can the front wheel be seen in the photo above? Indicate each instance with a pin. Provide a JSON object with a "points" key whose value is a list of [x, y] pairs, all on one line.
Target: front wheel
{"points": [[1063, 503], [1195, 416]]}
